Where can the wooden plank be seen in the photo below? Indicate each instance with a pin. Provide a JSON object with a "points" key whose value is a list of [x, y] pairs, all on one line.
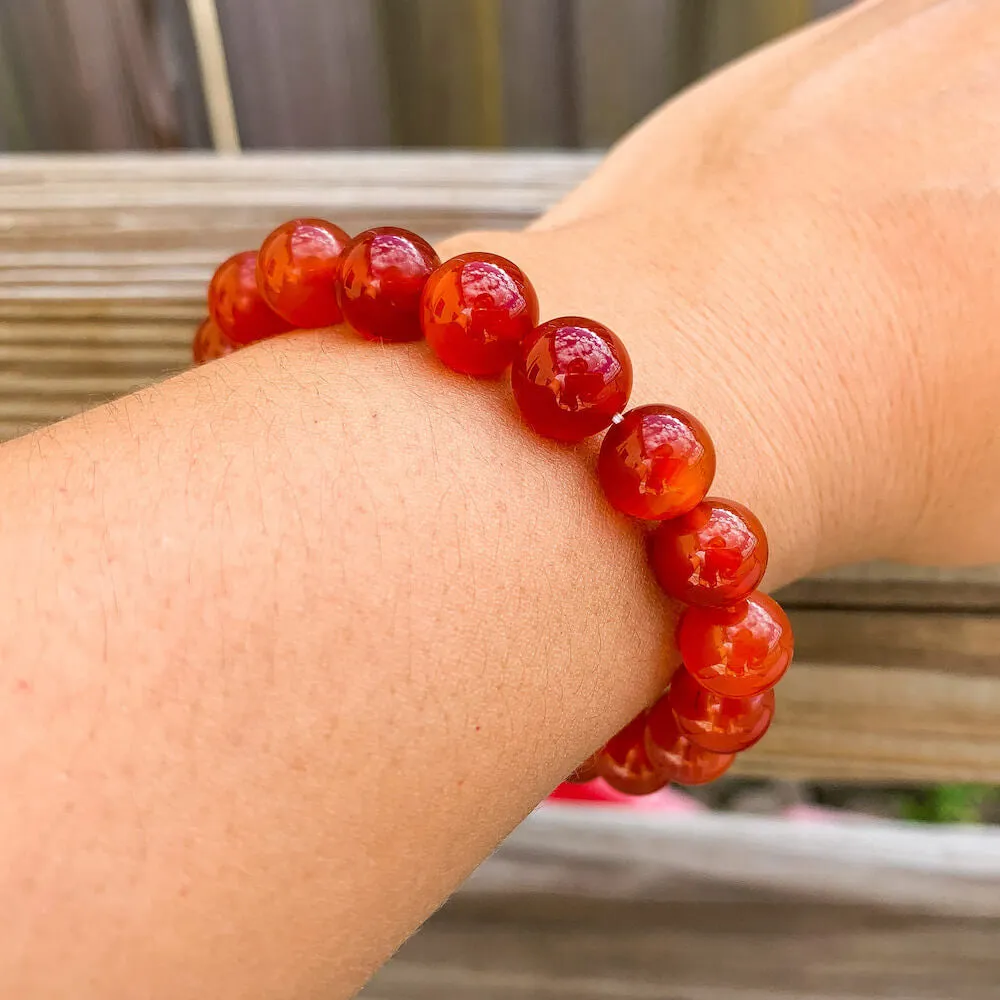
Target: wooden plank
{"points": [[444, 66], [888, 585], [538, 73], [192, 204], [607, 902], [882, 724], [609, 852], [963, 645], [627, 63], [305, 74], [748, 951]]}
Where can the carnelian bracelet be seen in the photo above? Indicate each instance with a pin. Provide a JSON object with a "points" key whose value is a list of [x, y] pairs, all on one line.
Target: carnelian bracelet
{"points": [[571, 378]]}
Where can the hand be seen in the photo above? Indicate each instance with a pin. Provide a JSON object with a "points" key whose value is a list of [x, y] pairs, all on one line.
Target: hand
{"points": [[803, 250]]}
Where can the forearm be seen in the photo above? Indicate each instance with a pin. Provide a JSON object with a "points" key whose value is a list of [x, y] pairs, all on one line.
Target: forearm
{"points": [[293, 641]]}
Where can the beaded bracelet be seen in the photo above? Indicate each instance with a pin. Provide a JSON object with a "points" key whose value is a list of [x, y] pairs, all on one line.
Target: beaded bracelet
{"points": [[571, 378]]}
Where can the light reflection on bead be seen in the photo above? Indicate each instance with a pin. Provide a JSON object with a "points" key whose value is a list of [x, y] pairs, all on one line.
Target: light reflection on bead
{"points": [[623, 763], [210, 343], [674, 755], [382, 275], [475, 311], [717, 723], [236, 305], [298, 268], [738, 651], [570, 377], [657, 462], [713, 555]]}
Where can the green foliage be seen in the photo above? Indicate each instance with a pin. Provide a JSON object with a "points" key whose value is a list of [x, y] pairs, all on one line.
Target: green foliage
{"points": [[948, 803]]}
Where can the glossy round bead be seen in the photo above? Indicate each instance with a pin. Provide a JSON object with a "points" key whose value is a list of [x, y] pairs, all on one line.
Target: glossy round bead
{"points": [[475, 311], [714, 555], [657, 462], [587, 771], [570, 377], [738, 651], [235, 302], [298, 268], [382, 275], [210, 343], [674, 755], [623, 763], [717, 723]]}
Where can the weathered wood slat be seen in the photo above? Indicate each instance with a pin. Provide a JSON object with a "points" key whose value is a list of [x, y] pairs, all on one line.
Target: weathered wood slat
{"points": [[751, 949], [884, 585], [594, 903], [613, 853]]}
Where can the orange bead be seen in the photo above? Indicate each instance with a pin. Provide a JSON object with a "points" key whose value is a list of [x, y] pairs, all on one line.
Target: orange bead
{"points": [[298, 268], [717, 723], [475, 311], [210, 343], [382, 275], [570, 377], [657, 462], [236, 305], [623, 763], [738, 651], [713, 555], [674, 756]]}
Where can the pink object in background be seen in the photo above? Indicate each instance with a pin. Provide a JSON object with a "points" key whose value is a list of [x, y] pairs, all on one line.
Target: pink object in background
{"points": [[599, 792]]}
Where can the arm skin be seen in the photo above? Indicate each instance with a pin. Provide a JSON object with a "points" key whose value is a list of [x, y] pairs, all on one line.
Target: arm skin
{"points": [[290, 642]]}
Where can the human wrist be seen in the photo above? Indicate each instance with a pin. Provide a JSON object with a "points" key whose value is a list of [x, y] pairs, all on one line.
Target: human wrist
{"points": [[697, 351]]}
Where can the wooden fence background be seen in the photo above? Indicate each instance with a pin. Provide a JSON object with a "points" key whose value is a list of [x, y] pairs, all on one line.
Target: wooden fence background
{"points": [[124, 74]]}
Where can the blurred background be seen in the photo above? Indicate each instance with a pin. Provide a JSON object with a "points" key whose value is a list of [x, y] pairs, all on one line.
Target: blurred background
{"points": [[855, 854], [327, 74]]}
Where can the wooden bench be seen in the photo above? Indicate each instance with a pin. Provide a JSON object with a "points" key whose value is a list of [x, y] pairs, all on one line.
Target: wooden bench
{"points": [[103, 265]]}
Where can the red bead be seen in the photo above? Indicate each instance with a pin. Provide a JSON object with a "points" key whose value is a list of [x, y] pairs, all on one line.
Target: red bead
{"points": [[298, 268], [475, 311], [658, 462], [586, 771], [674, 755], [210, 343], [717, 723], [570, 377], [235, 302], [737, 651], [623, 763], [382, 274], [713, 555]]}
